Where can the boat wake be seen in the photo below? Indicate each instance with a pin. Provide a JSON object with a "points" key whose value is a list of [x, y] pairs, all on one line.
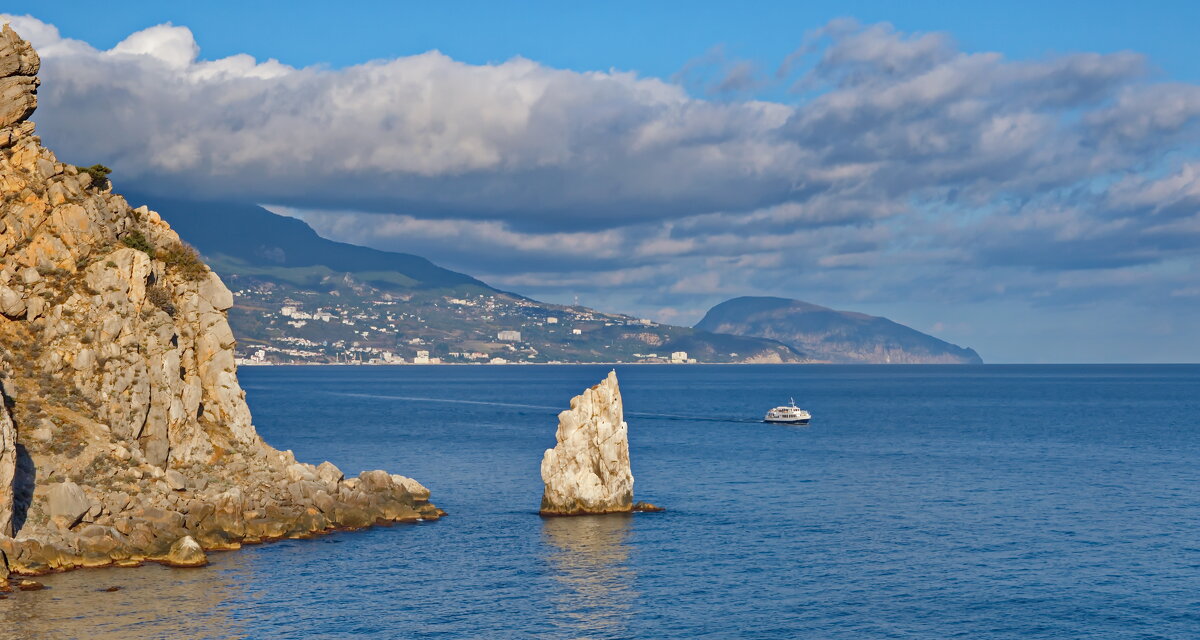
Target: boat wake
{"points": [[378, 396], [554, 410]]}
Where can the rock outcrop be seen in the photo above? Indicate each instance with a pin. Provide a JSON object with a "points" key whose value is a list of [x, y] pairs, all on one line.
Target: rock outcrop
{"points": [[124, 434], [587, 471], [19, 65], [8, 469], [186, 552]]}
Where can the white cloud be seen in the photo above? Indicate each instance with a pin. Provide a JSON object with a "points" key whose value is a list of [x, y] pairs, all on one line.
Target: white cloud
{"points": [[907, 169], [171, 45]]}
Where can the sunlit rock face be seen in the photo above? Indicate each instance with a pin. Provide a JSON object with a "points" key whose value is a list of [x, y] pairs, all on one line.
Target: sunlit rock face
{"points": [[8, 471], [124, 434], [588, 472], [19, 65]]}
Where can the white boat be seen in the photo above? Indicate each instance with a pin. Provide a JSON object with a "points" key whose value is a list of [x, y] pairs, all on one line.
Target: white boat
{"points": [[790, 414]]}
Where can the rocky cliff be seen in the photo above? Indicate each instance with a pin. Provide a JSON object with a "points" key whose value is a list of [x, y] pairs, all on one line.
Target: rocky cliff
{"points": [[827, 335], [587, 471], [124, 435]]}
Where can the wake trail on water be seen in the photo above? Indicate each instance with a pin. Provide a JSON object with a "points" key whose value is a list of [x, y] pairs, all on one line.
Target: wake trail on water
{"points": [[556, 410], [378, 396]]}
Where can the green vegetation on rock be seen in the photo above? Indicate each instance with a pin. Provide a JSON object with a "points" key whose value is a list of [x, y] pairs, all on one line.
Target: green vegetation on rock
{"points": [[137, 240], [99, 174], [184, 260], [160, 297]]}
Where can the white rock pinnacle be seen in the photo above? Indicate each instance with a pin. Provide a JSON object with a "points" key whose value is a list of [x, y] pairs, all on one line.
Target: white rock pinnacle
{"points": [[588, 471]]}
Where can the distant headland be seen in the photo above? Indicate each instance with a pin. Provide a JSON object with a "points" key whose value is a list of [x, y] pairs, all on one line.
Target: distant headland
{"points": [[303, 299]]}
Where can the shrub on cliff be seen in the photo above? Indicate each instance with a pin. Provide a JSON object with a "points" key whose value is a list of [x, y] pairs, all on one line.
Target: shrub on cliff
{"points": [[136, 240], [99, 174], [161, 298], [184, 260]]}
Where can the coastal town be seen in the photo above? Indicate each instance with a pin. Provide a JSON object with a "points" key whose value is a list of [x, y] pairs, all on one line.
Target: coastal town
{"points": [[360, 325]]}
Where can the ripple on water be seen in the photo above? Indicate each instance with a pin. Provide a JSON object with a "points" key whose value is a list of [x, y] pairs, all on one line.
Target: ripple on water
{"points": [[923, 502]]}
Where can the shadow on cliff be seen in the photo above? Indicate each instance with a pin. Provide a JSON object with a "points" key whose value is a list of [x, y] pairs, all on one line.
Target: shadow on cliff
{"points": [[24, 480], [24, 473]]}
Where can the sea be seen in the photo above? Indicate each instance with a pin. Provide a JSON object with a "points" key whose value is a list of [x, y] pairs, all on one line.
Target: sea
{"points": [[921, 502]]}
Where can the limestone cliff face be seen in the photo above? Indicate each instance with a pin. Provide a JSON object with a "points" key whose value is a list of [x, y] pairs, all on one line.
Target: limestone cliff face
{"points": [[19, 65], [124, 428], [588, 470], [8, 471]]}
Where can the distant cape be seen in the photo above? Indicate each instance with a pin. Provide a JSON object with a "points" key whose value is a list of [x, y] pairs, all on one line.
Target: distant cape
{"points": [[828, 335]]}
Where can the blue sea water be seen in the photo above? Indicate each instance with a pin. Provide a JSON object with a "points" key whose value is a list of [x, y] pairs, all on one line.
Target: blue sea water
{"points": [[922, 502]]}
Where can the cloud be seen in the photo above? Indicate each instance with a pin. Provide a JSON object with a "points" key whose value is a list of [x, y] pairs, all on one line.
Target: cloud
{"points": [[173, 46], [903, 169], [716, 74], [422, 134]]}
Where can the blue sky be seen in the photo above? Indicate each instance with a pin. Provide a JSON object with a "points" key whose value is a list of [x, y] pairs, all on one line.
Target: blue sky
{"points": [[1021, 178], [653, 38]]}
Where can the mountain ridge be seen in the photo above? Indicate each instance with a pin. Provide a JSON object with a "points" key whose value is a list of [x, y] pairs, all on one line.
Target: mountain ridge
{"points": [[409, 304], [830, 335], [268, 240]]}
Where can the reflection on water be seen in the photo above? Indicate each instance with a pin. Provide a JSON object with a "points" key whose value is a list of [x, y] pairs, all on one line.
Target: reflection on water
{"points": [[152, 602], [588, 556]]}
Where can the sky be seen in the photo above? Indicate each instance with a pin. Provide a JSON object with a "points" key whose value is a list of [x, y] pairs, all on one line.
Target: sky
{"points": [[1020, 178]]}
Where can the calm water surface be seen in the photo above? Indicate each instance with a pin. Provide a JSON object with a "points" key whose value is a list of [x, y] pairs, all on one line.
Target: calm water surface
{"points": [[923, 502]]}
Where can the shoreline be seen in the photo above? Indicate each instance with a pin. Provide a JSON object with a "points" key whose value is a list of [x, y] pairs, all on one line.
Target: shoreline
{"points": [[134, 562], [508, 364], [655, 364], [715, 364], [288, 502]]}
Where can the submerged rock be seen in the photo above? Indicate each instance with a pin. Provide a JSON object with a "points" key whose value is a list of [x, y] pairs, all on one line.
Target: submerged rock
{"points": [[30, 585], [588, 472]]}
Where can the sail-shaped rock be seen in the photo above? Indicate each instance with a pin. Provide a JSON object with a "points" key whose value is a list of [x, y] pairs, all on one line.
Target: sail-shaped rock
{"points": [[588, 472]]}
